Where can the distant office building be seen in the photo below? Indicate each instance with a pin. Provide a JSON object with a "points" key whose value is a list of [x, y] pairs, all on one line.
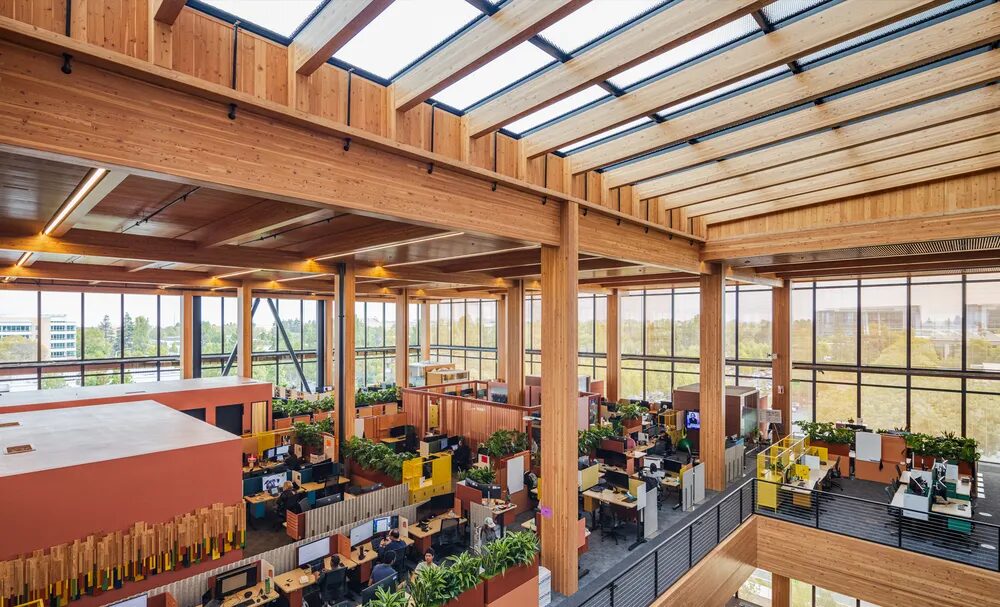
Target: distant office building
{"points": [[57, 333]]}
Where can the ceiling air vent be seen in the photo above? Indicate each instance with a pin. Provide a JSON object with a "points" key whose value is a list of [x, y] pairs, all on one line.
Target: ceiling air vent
{"points": [[15, 449]]}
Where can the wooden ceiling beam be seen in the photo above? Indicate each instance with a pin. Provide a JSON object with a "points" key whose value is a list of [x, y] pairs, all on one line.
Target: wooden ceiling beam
{"points": [[375, 235], [896, 269], [637, 280], [491, 260], [810, 34], [958, 34], [814, 173], [787, 269], [816, 149], [949, 161], [752, 277], [668, 28], [167, 11], [486, 39], [257, 220], [330, 29], [742, 251], [535, 270], [425, 275], [916, 88], [110, 181]]}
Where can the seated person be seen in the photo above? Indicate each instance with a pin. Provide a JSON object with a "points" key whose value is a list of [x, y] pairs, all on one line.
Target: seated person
{"points": [[427, 562], [384, 568], [656, 472], [462, 453], [335, 562], [288, 498], [390, 544]]}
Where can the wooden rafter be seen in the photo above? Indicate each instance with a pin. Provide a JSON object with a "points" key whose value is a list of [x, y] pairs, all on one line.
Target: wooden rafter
{"points": [[928, 84], [488, 38], [167, 11], [335, 24], [934, 42], [257, 220], [825, 28], [667, 29]]}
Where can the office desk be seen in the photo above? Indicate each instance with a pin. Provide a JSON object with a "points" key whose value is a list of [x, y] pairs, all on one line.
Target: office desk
{"points": [[956, 508], [258, 596], [502, 509], [261, 467], [293, 583], [617, 500], [365, 564], [422, 540], [802, 489]]}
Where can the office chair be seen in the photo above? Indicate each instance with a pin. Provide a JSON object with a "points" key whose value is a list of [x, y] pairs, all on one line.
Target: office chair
{"points": [[448, 538], [331, 486], [399, 562], [332, 585], [834, 475], [609, 524]]}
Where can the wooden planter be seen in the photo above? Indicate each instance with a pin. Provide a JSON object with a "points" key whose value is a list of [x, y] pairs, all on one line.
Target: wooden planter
{"points": [[632, 424], [473, 597], [516, 587], [370, 477], [923, 462]]}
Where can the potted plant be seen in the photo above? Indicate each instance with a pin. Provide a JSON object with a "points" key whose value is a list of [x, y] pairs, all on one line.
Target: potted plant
{"points": [[509, 564], [504, 442], [630, 415], [479, 474], [922, 447], [465, 570], [432, 587], [389, 598], [376, 462], [309, 436]]}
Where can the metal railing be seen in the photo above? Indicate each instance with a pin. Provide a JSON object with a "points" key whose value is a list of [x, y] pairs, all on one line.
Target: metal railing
{"points": [[666, 559], [962, 540]]}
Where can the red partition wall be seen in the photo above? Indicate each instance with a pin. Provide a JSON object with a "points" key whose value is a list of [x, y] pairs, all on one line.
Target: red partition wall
{"points": [[181, 394]]}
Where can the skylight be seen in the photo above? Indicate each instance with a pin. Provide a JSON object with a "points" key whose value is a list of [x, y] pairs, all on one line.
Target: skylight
{"points": [[593, 20], [280, 16], [609, 133], [885, 31], [776, 12], [706, 43], [719, 92], [404, 32], [554, 110], [496, 75]]}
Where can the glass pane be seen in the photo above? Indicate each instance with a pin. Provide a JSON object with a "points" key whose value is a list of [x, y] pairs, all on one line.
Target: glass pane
{"points": [[290, 312], [723, 90], [585, 323], [883, 408], [211, 325], [594, 20], [836, 325], [459, 318], [140, 325], [755, 324], [827, 598], [836, 402], [557, 109], [473, 328], [390, 324], [265, 331], [601, 325], [496, 75], [934, 412], [687, 339], [280, 16], [170, 326], [631, 324], [778, 11], [802, 594], [982, 321], [983, 423], [802, 325], [230, 316], [488, 320], [605, 134], [730, 336], [757, 588], [414, 27], [883, 326], [102, 327], [802, 401], [309, 325], [936, 323], [60, 322], [658, 325]]}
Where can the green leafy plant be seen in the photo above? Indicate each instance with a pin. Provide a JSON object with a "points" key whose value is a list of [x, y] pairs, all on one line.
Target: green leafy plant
{"points": [[631, 410], [325, 425], [432, 587], [465, 570], [291, 407], [827, 432], [389, 598], [948, 446], [367, 398], [479, 474], [327, 403], [308, 435], [505, 442], [511, 550], [590, 439], [375, 456]]}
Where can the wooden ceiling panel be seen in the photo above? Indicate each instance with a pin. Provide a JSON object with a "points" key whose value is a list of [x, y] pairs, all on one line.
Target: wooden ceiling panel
{"points": [[441, 248], [33, 190]]}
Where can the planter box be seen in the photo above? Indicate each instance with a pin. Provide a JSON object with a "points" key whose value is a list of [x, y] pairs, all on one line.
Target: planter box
{"points": [[505, 587], [473, 597], [371, 476], [923, 462]]}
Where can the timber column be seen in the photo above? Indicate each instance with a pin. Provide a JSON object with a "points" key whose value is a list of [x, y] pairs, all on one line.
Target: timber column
{"points": [[712, 403]]}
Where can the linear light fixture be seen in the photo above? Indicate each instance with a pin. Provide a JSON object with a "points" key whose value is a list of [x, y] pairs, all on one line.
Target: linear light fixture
{"points": [[300, 277], [232, 274], [75, 199], [23, 259], [401, 243]]}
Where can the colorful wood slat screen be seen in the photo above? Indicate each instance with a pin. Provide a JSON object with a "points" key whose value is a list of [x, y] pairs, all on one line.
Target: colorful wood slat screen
{"points": [[96, 564]]}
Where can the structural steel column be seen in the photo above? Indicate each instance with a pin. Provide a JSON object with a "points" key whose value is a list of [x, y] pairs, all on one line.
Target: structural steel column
{"points": [[345, 351], [501, 337], [403, 339], [559, 400], [712, 439], [187, 335], [781, 357], [329, 342], [612, 384], [425, 331], [781, 590], [244, 330], [514, 373]]}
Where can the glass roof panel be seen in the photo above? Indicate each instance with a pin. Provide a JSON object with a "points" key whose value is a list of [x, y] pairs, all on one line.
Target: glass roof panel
{"points": [[593, 20], [403, 33], [506, 69], [554, 110], [706, 43], [605, 134], [885, 31], [719, 92], [280, 16], [776, 12]]}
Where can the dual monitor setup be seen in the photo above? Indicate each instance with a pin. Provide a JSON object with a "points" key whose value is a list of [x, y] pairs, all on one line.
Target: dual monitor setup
{"points": [[374, 528], [489, 491], [272, 483]]}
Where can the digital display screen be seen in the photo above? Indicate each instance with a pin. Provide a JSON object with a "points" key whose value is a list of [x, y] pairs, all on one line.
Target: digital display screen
{"points": [[274, 482]]}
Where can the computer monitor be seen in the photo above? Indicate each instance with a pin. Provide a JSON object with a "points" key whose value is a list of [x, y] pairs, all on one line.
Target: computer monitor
{"points": [[490, 491], [330, 499], [382, 524], [397, 431], [471, 484], [368, 594], [692, 420], [273, 482], [361, 534], [672, 465], [322, 471], [281, 451], [454, 440], [252, 486], [917, 486], [314, 551], [136, 601], [444, 444], [427, 470], [617, 479], [235, 580], [269, 453]]}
